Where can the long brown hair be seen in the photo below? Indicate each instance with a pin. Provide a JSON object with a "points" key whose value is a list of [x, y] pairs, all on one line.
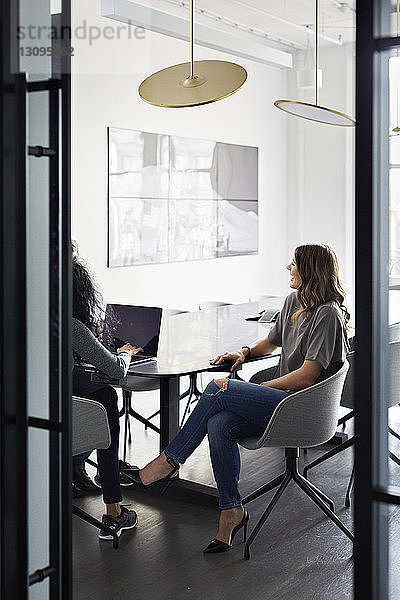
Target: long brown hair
{"points": [[318, 268]]}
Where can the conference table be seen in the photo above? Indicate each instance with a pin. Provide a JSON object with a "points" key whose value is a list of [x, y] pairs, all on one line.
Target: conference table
{"points": [[187, 343]]}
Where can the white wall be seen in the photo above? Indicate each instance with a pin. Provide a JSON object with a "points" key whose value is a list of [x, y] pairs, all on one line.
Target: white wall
{"points": [[320, 190], [104, 93]]}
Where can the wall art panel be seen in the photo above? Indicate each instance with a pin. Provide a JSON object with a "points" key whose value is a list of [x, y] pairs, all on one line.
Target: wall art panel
{"points": [[173, 198]]}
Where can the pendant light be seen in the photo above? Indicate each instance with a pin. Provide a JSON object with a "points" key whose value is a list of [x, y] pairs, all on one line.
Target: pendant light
{"points": [[315, 112], [396, 130], [192, 83]]}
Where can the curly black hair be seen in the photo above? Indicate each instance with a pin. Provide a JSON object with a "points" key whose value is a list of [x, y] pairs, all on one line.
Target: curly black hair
{"points": [[87, 302]]}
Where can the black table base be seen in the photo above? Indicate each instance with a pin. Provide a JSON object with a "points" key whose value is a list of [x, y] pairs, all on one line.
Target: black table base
{"points": [[182, 490]]}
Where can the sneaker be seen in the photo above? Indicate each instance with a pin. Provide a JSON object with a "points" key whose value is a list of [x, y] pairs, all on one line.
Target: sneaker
{"points": [[124, 479], [126, 520], [82, 481], [125, 470]]}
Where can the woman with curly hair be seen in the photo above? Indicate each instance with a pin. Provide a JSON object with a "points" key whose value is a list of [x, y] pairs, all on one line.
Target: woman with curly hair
{"points": [[87, 326], [311, 330]]}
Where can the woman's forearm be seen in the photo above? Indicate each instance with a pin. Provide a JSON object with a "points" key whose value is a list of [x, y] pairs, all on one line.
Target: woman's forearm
{"points": [[90, 350], [258, 348], [262, 347], [291, 381], [299, 379]]}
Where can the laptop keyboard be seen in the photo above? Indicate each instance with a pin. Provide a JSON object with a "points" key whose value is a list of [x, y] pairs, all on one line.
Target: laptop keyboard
{"points": [[139, 358]]}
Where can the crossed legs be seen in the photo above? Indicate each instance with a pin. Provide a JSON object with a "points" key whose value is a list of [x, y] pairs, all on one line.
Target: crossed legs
{"points": [[228, 410]]}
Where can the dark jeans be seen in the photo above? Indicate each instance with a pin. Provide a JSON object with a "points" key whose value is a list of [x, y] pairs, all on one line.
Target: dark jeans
{"points": [[241, 410], [107, 459]]}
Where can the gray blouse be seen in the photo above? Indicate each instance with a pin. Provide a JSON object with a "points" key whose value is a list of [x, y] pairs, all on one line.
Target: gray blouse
{"points": [[91, 350], [323, 338]]}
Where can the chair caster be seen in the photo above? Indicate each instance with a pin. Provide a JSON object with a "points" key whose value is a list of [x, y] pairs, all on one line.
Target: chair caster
{"points": [[247, 552]]}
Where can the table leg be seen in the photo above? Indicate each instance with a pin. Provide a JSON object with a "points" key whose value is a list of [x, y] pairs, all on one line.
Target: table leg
{"points": [[192, 492], [180, 489], [169, 409]]}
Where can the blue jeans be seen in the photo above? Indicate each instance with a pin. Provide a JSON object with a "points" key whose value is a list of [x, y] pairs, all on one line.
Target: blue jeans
{"points": [[241, 410]]}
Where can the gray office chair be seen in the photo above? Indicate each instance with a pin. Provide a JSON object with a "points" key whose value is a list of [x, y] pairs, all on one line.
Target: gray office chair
{"points": [[136, 384], [347, 401], [303, 419], [90, 431]]}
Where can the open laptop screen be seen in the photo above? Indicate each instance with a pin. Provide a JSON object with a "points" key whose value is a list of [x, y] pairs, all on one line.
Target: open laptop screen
{"points": [[137, 325]]}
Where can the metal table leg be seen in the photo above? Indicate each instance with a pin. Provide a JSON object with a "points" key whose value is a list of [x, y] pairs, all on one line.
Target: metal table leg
{"points": [[169, 409], [179, 489]]}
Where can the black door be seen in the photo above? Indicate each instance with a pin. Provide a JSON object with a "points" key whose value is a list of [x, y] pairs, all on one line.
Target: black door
{"points": [[377, 382], [35, 302]]}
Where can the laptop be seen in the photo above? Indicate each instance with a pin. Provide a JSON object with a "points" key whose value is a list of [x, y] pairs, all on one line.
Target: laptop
{"points": [[137, 325]]}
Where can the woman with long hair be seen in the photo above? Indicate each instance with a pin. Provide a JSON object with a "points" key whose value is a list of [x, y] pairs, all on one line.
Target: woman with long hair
{"points": [[87, 326], [311, 329]]}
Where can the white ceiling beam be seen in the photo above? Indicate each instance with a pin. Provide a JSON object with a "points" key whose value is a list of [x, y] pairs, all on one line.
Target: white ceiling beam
{"points": [[155, 20], [219, 19], [304, 28]]}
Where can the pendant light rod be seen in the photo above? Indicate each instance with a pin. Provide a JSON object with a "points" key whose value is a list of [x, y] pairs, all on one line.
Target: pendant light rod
{"points": [[191, 38], [316, 50], [398, 7], [396, 128]]}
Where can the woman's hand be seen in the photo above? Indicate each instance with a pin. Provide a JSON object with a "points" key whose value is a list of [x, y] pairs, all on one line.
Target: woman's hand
{"points": [[99, 331], [237, 358], [129, 348]]}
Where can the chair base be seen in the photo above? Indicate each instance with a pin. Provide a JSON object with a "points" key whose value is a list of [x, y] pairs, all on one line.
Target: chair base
{"points": [[193, 394], [127, 411], [292, 474], [92, 521], [347, 444], [327, 455]]}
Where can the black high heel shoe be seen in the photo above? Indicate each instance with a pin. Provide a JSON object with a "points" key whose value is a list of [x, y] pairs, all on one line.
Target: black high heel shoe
{"points": [[168, 479], [218, 546]]}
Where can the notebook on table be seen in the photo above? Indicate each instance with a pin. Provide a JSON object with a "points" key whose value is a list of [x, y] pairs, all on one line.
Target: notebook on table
{"points": [[136, 325]]}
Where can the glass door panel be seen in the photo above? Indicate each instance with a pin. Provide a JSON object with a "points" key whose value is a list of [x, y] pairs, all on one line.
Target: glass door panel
{"points": [[38, 259], [394, 266]]}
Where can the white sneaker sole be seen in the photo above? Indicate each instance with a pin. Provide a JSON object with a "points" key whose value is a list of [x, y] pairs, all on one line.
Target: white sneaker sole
{"points": [[121, 484], [106, 536]]}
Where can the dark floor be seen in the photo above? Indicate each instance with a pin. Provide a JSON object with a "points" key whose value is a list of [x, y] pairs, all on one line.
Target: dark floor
{"points": [[298, 555]]}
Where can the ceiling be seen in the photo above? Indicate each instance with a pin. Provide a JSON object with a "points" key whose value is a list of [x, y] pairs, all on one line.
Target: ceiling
{"points": [[284, 24]]}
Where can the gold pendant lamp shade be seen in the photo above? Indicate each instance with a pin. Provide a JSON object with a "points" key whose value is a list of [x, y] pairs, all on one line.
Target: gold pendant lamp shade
{"points": [[192, 83], [315, 112]]}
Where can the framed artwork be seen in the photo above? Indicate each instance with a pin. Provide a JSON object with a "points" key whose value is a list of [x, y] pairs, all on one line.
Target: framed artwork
{"points": [[176, 199]]}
